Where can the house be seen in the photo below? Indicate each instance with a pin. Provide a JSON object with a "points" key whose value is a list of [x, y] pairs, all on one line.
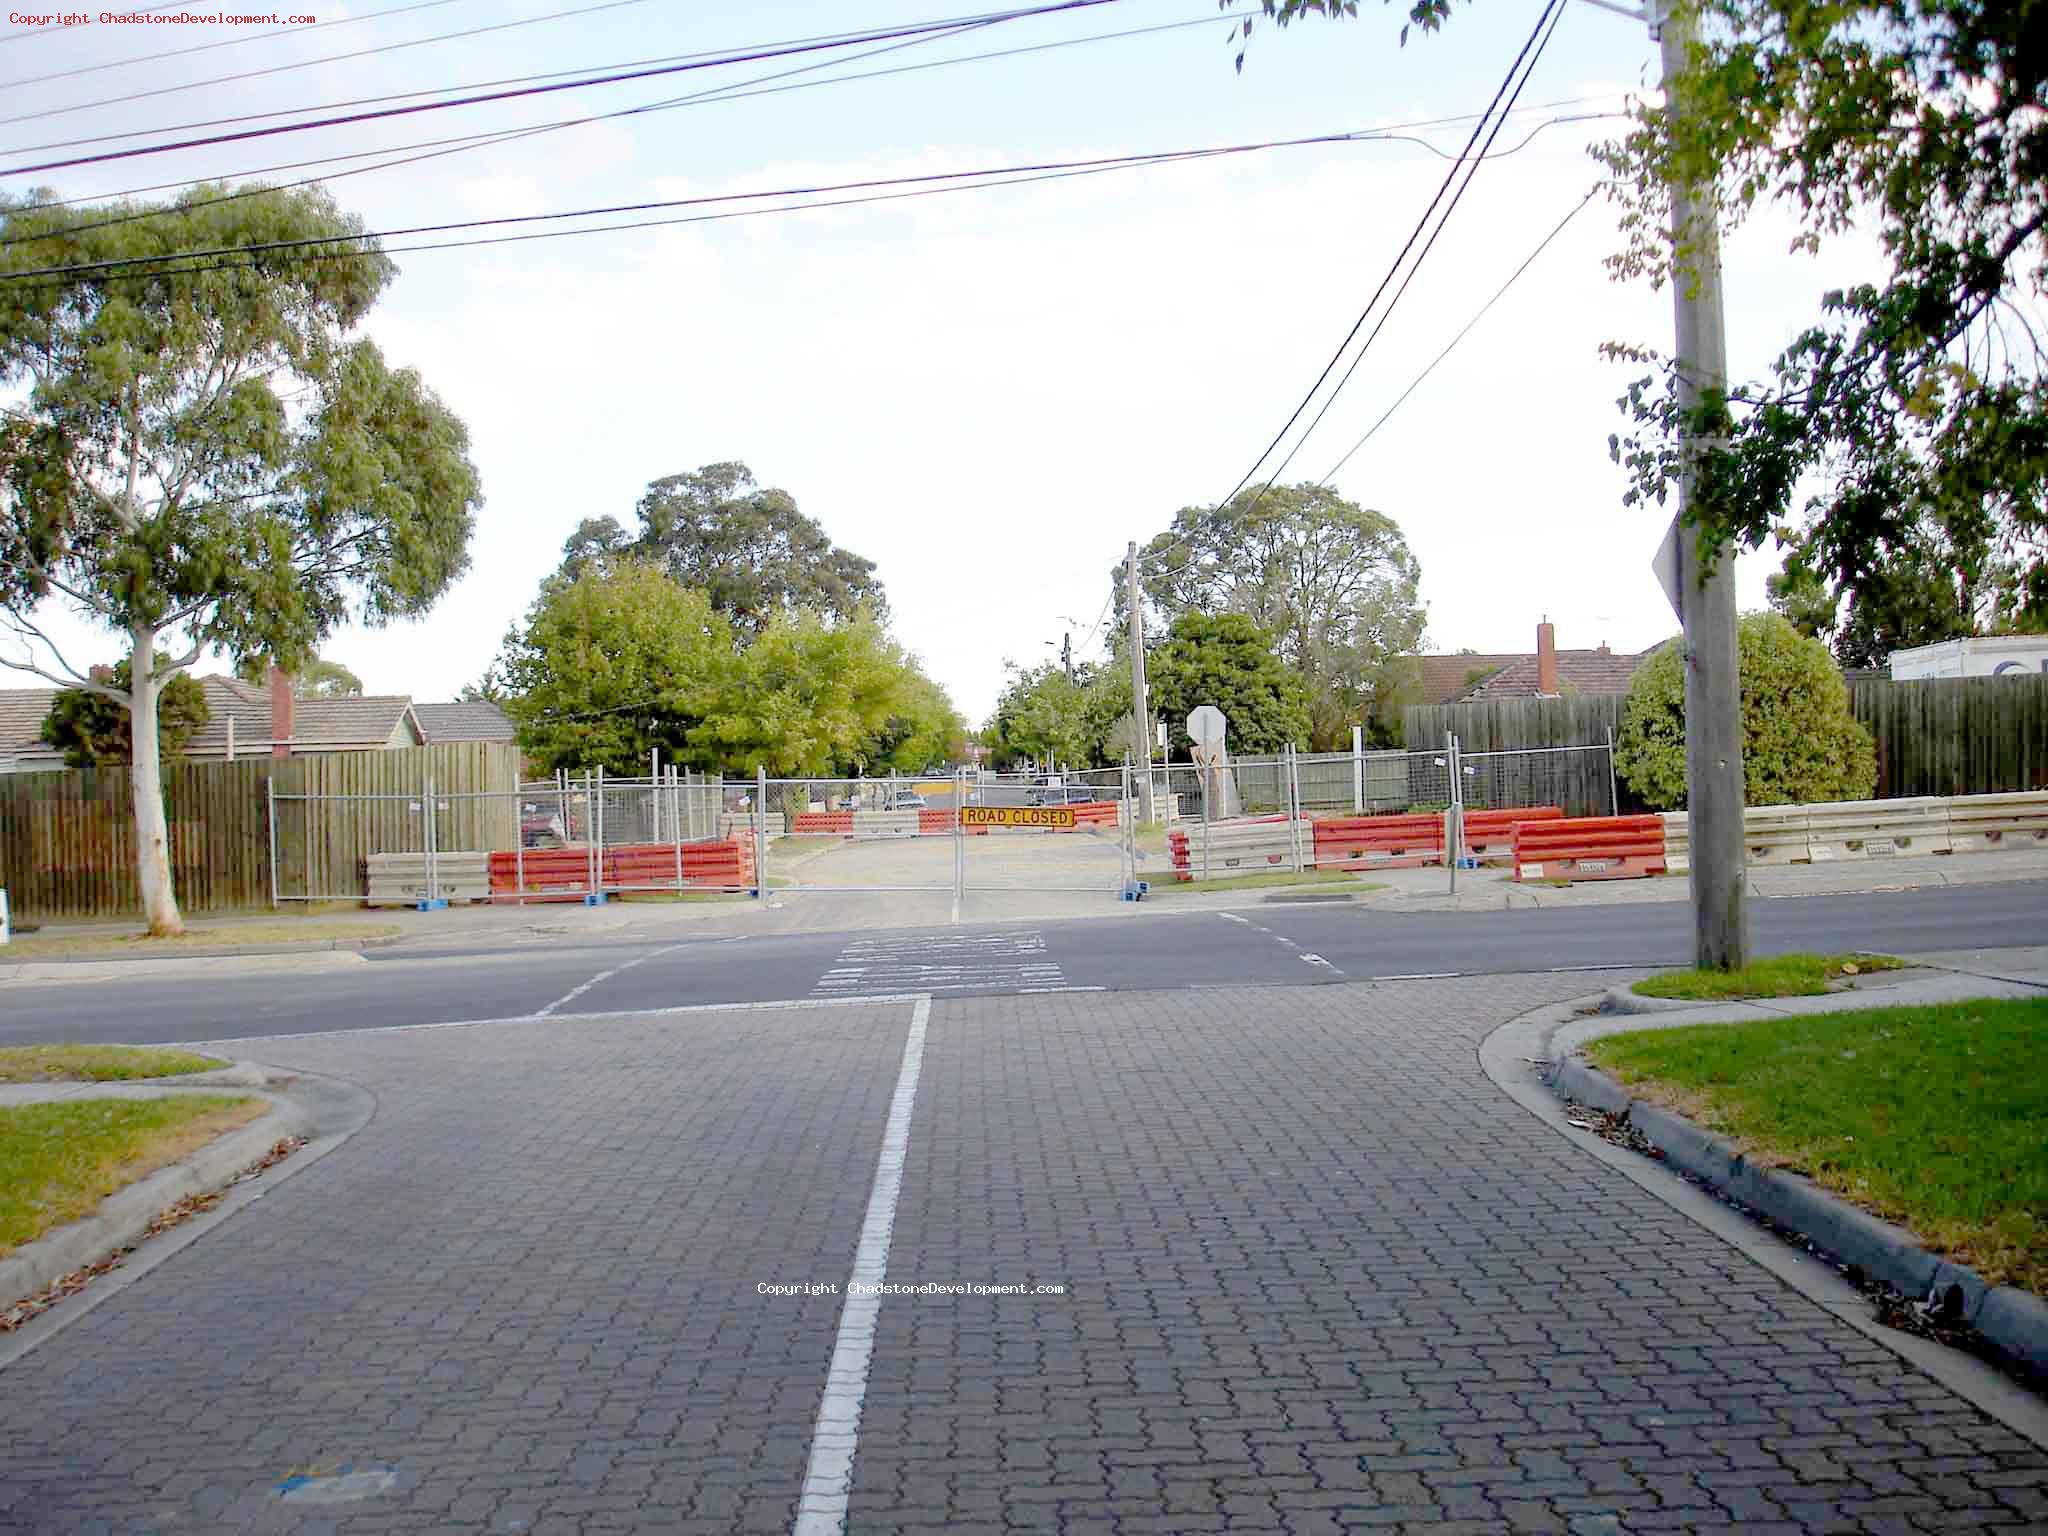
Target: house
{"points": [[1545, 672], [247, 720]]}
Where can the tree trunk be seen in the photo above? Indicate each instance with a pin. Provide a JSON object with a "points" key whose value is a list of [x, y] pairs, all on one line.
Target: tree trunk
{"points": [[152, 834]]}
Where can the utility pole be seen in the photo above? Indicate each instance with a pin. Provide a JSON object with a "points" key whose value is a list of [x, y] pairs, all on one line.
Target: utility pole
{"points": [[1141, 715], [1713, 691], [1067, 654]]}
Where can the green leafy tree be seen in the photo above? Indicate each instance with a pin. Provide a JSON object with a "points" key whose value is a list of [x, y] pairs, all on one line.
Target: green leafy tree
{"points": [[1800, 742], [815, 699], [1044, 715], [1332, 582], [747, 547], [93, 731], [316, 679], [1227, 660], [205, 454], [611, 666]]}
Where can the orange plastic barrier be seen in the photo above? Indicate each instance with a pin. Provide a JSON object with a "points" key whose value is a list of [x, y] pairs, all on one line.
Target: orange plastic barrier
{"points": [[827, 823], [1589, 848], [940, 824], [563, 874], [1386, 842], [1491, 834]]}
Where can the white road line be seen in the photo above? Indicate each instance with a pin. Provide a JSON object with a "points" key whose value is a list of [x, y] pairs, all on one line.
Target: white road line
{"points": [[1232, 917], [1423, 976], [675, 1010], [1314, 959], [828, 1479], [572, 995]]}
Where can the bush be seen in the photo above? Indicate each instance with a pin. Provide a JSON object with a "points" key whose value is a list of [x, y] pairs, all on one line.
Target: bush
{"points": [[1800, 744]]}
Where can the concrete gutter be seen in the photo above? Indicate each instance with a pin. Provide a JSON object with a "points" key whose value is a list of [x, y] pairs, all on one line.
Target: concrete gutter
{"points": [[2012, 1320], [324, 1111], [209, 951]]}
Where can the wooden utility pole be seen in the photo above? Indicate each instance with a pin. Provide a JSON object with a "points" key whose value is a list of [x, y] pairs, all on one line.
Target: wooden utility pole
{"points": [[1713, 689], [1141, 714]]}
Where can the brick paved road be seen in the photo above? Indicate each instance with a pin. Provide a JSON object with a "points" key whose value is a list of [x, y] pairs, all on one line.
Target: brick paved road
{"points": [[1322, 1276]]}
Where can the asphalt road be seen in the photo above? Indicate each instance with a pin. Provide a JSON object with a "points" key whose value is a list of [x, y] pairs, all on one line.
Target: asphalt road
{"points": [[1260, 945]]}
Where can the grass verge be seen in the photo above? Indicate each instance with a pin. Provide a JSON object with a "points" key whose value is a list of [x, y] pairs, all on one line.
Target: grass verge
{"points": [[1934, 1117], [1780, 976], [1170, 886], [128, 946], [58, 1161], [96, 1063]]}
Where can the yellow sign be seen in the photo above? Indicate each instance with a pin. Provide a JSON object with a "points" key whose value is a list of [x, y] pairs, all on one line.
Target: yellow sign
{"points": [[1017, 816]]}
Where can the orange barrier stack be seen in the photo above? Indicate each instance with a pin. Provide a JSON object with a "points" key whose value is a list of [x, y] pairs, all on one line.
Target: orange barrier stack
{"points": [[1589, 848], [941, 824], [563, 874], [1491, 834], [1385, 842], [827, 823], [1094, 813]]}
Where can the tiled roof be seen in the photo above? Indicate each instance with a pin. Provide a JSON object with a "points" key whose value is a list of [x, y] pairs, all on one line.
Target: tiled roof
{"points": [[478, 720], [1444, 678], [1597, 671], [21, 719]]}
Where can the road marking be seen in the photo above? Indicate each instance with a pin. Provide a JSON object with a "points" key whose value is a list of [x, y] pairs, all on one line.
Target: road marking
{"points": [[1423, 976], [941, 962], [1232, 917], [573, 994], [1314, 959], [828, 1479]]}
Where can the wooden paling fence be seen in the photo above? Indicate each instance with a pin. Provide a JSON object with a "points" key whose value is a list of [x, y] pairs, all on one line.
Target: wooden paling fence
{"points": [[67, 840], [1938, 736]]}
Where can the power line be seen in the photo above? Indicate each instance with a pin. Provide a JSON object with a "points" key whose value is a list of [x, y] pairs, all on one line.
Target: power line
{"points": [[460, 144], [277, 69], [1555, 15], [927, 182], [1464, 331], [1550, 8], [347, 119]]}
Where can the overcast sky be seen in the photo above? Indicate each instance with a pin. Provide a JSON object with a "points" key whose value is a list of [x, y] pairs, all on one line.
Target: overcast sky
{"points": [[987, 393]]}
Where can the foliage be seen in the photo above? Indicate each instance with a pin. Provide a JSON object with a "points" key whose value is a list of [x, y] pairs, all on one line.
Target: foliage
{"points": [[1045, 716], [92, 730], [318, 678], [1227, 660], [816, 699], [611, 666], [209, 454], [624, 660], [1800, 742], [1914, 401], [1334, 583], [749, 548], [1801, 975]]}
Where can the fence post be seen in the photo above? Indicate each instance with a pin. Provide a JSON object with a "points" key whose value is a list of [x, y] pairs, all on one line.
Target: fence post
{"points": [[760, 820], [959, 839], [270, 794], [1454, 813], [519, 843], [1208, 774], [1613, 787], [1294, 805], [1358, 770]]}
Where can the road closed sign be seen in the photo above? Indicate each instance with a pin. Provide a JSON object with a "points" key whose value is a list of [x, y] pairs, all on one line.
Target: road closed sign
{"points": [[1017, 816]]}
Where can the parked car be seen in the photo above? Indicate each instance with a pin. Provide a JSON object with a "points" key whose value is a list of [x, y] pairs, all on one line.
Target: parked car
{"points": [[904, 800], [1061, 794], [540, 826]]}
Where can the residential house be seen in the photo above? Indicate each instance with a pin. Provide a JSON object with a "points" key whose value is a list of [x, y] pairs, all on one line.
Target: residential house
{"points": [[466, 720], [1545, 672]]}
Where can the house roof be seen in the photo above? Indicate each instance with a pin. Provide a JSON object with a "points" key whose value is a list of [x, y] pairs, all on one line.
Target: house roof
{"points": [[318, 725], [1595, 671], [1444, 678], [21, 719], [465, 720]]}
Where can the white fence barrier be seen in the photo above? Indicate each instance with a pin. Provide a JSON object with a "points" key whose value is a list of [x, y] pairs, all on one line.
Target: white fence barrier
{"points": [[1875, 829], [1241, 847], [400, 879], [871, 825]]}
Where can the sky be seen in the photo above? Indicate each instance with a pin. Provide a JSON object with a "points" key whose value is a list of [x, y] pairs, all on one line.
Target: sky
{"points": [[988, 393]]}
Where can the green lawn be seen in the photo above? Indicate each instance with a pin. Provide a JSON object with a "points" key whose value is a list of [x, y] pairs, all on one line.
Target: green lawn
{"points": [[1265, 877], [58, 1161], [128, 946], [1781, 976], [96, 1063], [1933, 1117]]}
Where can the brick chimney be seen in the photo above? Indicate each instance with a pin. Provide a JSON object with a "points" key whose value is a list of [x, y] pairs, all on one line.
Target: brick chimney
{"points": [[282, 713], [1546, 659]]}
